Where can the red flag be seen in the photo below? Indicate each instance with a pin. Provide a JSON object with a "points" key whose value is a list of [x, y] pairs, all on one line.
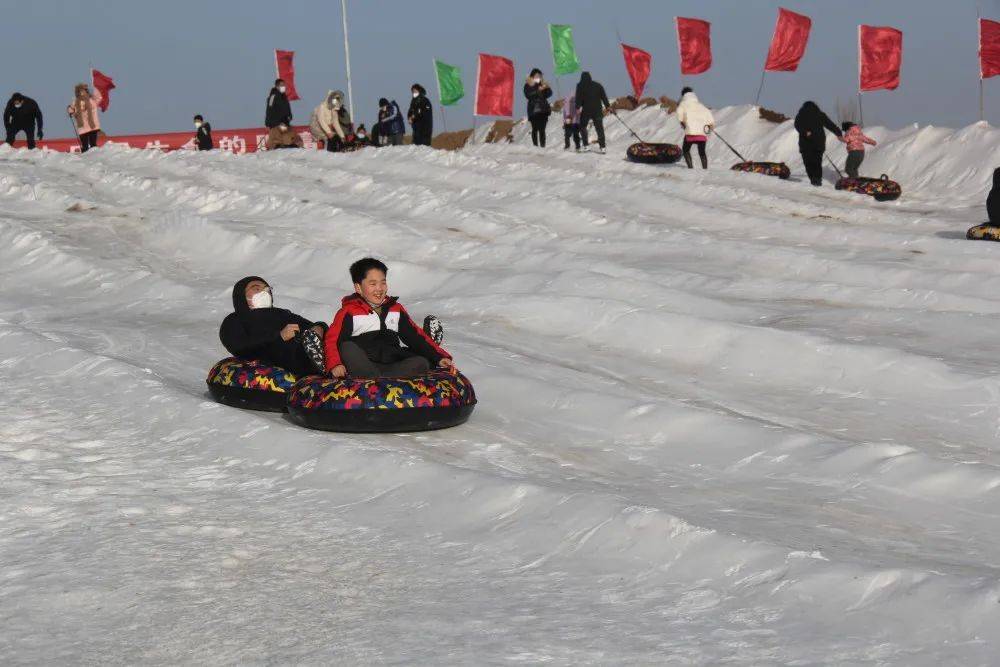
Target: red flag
{"points": [[103, 83], [695, 44], [989, 48], [880, 57], [283, 62], [494, 86], [791, 34], [639, 64]]}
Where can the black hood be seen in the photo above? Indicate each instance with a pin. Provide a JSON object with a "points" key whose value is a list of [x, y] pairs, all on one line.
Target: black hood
{"points": [[240, 304], [585, 78]]}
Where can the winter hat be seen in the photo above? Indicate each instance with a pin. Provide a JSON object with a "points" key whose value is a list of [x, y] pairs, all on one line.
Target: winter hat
{"points": [[534, 72], [382, 102]]}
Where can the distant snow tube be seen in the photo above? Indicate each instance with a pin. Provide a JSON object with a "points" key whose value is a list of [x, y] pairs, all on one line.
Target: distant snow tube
{"points": [[984, 232], [779, 169], [251, 385], [882, 189], [653, 153], [435, 400]]}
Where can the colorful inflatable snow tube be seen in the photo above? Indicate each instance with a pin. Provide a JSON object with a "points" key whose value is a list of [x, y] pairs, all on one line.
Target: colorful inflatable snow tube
{"points": [[653, 153], [882, 189], [984, 232], [779, 169], [438, 399], [252, 385]]}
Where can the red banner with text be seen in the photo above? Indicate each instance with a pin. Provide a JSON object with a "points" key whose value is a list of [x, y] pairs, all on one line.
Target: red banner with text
{"points": [[248, 140]]}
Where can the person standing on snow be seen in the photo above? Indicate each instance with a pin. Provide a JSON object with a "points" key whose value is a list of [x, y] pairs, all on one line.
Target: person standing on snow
{"points": [[390, 127], [203, 134], [571, 123], [811, 124], [697, 122], [993, 199], [855, 140], [84, 112], [330, 122], [421, 116], [22, 115], [592, 101], [538, 92], [279, 109]]}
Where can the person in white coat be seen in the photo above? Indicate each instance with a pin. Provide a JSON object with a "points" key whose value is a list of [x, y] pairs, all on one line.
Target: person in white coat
{"points": [[330, 121], [698, 122]]}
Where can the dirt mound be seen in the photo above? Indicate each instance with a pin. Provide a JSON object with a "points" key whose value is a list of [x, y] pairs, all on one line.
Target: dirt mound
{"points": [[500, 132], [669, 104], [771, 116], [451, 141]]}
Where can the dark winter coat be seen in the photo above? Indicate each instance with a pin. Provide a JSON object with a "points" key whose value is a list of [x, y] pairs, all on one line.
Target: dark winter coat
{"points": [[993, 200], [379, 333], [590, 97], [279, 110], [810, 123], [255, 333], [204, 137], [26, 117], [538, 95], [421, 113], [390, 120]]}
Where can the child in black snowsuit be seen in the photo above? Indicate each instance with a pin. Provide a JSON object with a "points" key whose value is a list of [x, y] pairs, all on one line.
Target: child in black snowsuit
{"points": [[993, 200]]}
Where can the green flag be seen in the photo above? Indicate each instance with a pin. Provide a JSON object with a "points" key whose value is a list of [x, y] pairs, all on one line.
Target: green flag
{"points": [[563, 50], [450, 89]]}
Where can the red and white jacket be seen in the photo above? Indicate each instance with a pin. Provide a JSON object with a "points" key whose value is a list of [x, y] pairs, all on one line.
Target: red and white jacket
{"points": [[379, 333], [856, 139]]}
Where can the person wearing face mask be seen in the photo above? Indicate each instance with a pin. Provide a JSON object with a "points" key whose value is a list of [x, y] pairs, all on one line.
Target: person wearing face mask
{"points": [[84, 112], [330, 122], [278, 107], [283, 136], [256, 330], [203, 134], [390, 127], [22, 115], [362, 138], [538, 93], [421, 115]]}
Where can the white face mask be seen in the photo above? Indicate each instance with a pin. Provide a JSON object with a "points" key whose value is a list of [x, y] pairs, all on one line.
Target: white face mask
{"points": [[416, 94], [361, 135], [197, 123], [17, 105], [538, 79], [261, 299], [336, 104], [283, 127], [282, 89]]}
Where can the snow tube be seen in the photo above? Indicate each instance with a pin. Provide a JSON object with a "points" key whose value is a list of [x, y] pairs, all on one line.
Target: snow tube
{"points": [[779, 169], [653, 153], [984, 232], [438, 399], [252, 385], [882, 189]]}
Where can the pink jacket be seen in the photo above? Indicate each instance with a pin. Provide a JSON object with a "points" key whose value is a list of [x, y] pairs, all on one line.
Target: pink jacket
{"points": [[85, 113], [571, 115], [856, 139]]}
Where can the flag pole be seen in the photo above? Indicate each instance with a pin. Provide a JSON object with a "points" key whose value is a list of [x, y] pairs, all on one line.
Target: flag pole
{"points": [[347, 57], [979, 31], [437, 78], [861, 111]]}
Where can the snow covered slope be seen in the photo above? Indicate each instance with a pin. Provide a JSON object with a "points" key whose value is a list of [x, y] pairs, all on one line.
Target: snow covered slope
{"points": [[722, 417]]}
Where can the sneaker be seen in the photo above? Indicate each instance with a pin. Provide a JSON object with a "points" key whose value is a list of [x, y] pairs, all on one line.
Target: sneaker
{"points": [[434, 329], [312, 343]]}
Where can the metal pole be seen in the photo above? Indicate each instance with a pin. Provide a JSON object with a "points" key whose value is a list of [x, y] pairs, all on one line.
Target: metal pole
{"points": [[756, 102], [347, 57], [979, 31], [861, 111]]}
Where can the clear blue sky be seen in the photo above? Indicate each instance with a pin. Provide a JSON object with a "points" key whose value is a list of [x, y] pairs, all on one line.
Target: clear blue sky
{"points": [[173, 59]]}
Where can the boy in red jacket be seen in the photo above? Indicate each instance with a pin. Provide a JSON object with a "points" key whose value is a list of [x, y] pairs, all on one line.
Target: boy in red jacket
{"points": [[364, 339]]}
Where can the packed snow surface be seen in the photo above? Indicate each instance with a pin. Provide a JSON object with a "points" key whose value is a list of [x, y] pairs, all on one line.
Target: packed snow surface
{"points": [[722, 418]]}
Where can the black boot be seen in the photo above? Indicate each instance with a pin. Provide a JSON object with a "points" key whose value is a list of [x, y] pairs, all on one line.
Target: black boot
{"points": [[689, 161], [434, 329], [704, 161]]}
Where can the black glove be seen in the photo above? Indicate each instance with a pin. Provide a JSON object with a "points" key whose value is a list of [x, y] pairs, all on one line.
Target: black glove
{"points": [[41, 135]]}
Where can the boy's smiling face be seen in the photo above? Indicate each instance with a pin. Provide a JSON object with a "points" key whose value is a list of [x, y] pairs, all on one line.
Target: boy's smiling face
{"points": [[373, 288]]}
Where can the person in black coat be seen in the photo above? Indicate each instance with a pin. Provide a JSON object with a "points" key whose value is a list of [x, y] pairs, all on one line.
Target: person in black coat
{"points": [[591, 100], [203, 134], [279, 109], [258, 331], [538, 92], [993, 200], [421, 115], [811, 124], [22, 115]]}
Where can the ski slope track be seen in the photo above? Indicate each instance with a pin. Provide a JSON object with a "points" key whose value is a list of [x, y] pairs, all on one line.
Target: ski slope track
{"points": [[722, 418]]}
